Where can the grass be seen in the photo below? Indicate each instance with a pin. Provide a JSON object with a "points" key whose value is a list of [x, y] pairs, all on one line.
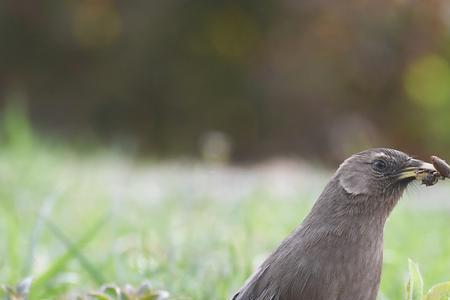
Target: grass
{"points": [[75, 220]]}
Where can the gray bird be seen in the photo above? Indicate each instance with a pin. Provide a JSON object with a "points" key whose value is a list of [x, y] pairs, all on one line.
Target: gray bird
{"points": [[337, 252]]}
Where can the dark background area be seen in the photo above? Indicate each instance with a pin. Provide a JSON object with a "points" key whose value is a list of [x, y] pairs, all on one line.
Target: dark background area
{"points": [[316, 79]]}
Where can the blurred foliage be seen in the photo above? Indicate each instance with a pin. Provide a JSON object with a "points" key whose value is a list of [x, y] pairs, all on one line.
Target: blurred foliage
{"points": [[317, 78], [128, 292], [106, 292]]}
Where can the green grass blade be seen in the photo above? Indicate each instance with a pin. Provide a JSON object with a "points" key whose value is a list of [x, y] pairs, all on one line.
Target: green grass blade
{"points": [[414, 287], [60, 263], [84, 262], [38, 227], [12, 246]]}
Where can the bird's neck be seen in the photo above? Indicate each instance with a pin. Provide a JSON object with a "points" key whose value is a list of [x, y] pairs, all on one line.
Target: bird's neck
{"points": [[342, 212], [355, 227]]}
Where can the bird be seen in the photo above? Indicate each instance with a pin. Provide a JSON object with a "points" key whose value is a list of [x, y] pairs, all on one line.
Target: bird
{"points": [[336, 253]]}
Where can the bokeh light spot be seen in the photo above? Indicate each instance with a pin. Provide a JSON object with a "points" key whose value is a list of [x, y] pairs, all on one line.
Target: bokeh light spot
{"points": [[233, 34], [96, 23], [427, 81]]}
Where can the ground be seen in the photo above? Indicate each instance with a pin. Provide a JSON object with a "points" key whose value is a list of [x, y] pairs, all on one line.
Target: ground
{"points": [[77, 219]]}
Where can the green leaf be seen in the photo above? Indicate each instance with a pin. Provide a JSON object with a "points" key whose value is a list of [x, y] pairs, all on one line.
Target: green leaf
{"points": [[156, 295], [111, 290], [99, 296], [440, 291], [414, 287]]}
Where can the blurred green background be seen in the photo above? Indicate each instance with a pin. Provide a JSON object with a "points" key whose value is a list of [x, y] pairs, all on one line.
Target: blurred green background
{"points": [[316, 79], [180, 141]]}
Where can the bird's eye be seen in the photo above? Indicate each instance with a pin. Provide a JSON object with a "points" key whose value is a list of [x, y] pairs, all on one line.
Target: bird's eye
{"points": [[379, 165]]}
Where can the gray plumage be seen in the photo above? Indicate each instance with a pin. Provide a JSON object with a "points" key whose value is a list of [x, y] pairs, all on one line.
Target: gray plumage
{"points": [[337, 252]]}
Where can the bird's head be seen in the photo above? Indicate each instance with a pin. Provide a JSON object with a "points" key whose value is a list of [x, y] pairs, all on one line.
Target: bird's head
{"points": [[381, 172]]}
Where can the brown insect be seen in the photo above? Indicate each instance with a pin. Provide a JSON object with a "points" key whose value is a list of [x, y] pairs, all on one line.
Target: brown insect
{"points": [[441, 166], [442, 171], [431, 178]]}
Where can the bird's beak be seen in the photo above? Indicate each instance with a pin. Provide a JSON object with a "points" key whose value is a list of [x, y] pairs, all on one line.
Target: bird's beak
{"points": [[416, 169]]}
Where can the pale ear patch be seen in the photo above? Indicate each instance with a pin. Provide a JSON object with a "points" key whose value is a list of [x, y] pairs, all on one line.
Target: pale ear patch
{"points": [[354, 183]]}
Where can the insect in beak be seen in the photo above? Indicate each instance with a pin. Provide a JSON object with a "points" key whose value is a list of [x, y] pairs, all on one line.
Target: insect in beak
{"points": [[421, 171]]}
